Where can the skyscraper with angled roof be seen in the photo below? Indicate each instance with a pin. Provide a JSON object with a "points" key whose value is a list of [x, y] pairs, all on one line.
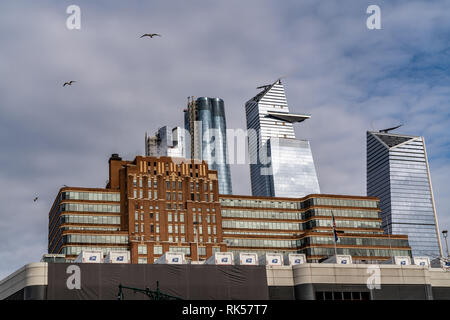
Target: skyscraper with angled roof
{"points": [[280, 164], [398, 174]]}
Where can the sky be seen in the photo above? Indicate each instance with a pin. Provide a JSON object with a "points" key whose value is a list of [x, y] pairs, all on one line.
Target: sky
{"points": [[348, 78]]}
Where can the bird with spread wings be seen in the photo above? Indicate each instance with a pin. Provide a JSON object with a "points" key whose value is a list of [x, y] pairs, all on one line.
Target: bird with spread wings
{"points": [[68, 83], [151, 35]]}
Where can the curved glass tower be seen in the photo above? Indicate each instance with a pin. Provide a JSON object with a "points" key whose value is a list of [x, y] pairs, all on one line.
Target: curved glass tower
{"points": [[205, 120]]}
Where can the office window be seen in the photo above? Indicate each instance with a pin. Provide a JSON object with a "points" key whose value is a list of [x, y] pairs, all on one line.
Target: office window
{"points": [[170, 228], [157, 250], [182, 228], [157, 216], [152, 229], [175, 217], [142, 249], [142, 260]]}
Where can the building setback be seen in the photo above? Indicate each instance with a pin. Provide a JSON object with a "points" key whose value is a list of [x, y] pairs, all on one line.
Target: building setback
{"points": [[280, 165], [398, 174], [154, 205]]}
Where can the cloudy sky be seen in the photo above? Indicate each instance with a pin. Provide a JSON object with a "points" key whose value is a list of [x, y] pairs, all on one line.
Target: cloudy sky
{"points": [[350, 79]]}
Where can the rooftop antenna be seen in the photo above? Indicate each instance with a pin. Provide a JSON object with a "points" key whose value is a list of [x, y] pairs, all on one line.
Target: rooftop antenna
{"points": [[390, 129]]}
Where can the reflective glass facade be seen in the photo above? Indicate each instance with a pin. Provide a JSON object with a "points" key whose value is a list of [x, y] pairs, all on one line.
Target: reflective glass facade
{"points": [[398, 174], [281, 165], [294, 174], [206, 123]]}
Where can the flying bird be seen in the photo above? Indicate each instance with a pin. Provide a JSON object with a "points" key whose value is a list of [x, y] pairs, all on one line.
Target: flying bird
{"points": [[390, 129], [35, 199], [151, 35], [68, 83]]}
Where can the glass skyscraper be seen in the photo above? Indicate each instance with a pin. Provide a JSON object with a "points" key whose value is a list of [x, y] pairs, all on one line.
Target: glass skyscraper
{"points": [[204, 119], [280, 165], [398, 174]]}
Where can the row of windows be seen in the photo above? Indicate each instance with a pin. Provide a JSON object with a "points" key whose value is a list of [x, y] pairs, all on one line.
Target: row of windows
{"points": [[90, 228], [299, 226], [261, 225], [85, 238], [86, 219], [258, 233], [259, 203], [356, 241], [88, 195], [82, 207], [262, 243], [290, 215], [342, 224], [355, 252], [76, 250], [341, 203]]}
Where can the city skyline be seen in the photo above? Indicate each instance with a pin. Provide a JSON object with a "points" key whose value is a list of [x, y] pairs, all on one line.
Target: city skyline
{"points": [[350, 78]]}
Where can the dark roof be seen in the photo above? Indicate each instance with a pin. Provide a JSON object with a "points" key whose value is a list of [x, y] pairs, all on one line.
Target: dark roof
{"points": [[392, 140]]}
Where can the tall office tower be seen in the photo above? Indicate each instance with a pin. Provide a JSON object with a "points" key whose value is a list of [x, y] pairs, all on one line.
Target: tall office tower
{"points": [[204, 119], [166, 143], [280, 165], [398, 174]]}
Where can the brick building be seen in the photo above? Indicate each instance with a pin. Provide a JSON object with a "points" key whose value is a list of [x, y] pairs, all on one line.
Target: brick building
{"points": [[152, 205]]}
